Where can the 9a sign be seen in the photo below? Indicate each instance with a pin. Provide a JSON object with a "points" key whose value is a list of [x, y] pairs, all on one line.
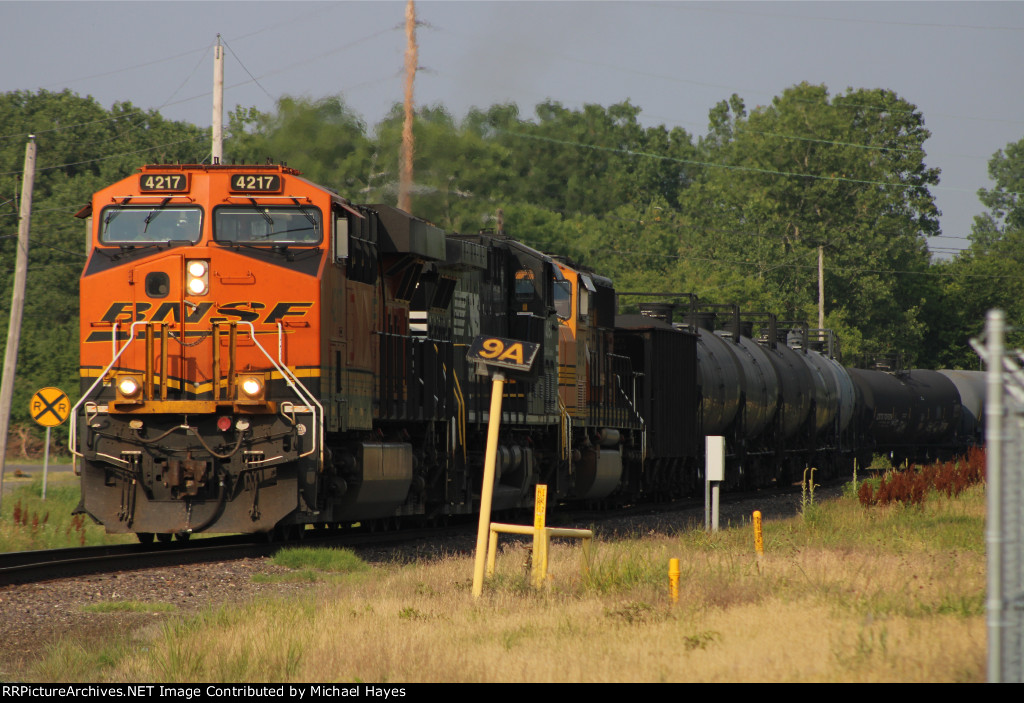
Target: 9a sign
{"points": [[503, 353]]}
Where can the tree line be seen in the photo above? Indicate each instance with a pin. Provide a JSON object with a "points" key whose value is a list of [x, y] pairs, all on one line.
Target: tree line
{"points": [[736, 215]]}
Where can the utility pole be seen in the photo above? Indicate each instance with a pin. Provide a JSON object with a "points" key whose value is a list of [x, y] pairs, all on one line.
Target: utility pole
{"points": [[821, 286], [218, 103], [17, 303], [411, 63]]}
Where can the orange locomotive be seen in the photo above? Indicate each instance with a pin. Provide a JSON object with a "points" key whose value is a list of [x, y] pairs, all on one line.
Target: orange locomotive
{"points": [[259, 354]]}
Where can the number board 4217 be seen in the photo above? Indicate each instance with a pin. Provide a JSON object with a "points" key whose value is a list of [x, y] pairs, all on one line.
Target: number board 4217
{"points": [[163, 183], [255, 183]]}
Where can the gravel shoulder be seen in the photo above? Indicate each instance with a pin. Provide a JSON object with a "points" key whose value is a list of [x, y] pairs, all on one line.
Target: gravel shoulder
{"points": [[35, 616]]}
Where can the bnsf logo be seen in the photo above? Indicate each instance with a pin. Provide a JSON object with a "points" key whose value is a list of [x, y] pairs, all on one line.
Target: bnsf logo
{"points": [[244, 311]]}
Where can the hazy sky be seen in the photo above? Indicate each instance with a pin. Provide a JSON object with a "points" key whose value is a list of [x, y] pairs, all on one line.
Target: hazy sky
{"points": [[961, 63]]}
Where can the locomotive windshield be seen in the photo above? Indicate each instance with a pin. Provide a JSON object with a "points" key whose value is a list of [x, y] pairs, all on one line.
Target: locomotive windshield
{"points": [[259, 224], [149, 224]]}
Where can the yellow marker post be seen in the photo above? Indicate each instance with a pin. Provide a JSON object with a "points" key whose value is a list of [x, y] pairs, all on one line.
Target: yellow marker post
{"points": [[758, 538], [673, 579], [487, 489], [539, 570]]}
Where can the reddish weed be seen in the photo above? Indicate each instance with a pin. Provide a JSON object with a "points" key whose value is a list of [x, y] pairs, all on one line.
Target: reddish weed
{"points": [[911, 486]]}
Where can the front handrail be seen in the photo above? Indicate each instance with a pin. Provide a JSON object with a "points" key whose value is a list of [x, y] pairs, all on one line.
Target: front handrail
{"points": [[73, 415], [290, 378]]}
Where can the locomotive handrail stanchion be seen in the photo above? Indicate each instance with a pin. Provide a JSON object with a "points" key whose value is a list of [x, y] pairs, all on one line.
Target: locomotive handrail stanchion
{"points": [[147, 383], [565, 429], [296, 385], [232, 349], [293, 381], [165, 382], [216, 361], [73, 429]]}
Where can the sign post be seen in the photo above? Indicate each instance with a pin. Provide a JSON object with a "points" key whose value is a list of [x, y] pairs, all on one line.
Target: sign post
{"points": [[496, 357], [714, 474], [49, 407]]}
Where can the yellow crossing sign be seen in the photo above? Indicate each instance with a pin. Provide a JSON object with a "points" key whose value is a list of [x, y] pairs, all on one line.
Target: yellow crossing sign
{"points": [[50, 406]]}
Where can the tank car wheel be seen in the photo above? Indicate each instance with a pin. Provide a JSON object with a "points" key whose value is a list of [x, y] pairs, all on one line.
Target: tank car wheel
{"points": [[145, 537], [164, 537], [182, 536]]}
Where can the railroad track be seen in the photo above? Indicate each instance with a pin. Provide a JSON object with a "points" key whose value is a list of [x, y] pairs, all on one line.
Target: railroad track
{"points": [[45, 565], [51, 564]]}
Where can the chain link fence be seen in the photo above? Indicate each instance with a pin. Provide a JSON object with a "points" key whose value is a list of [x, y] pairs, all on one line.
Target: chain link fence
{"points": [[1004, 533]]}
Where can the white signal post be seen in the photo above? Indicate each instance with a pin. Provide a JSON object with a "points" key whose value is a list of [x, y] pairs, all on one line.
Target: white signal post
{"points": [[714, 474]]}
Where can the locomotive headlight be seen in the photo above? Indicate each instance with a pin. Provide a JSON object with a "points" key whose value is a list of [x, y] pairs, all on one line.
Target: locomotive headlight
{"points": [[252, 387], [128, 387], [198, 279]]}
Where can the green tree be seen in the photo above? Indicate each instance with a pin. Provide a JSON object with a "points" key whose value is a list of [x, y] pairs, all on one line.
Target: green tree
{"points": [[987, 274], [81, 148], [846, 173], [322, 138], [588, 161]]}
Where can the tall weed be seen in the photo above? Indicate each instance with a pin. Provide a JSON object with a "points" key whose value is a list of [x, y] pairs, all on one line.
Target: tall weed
{"points": [[27, 522]]}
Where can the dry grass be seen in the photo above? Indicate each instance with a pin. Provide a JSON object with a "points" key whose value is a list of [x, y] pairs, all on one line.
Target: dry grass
{"points": [[886, 594]]}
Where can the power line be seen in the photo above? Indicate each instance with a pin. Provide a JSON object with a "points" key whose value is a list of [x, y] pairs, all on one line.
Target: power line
{"points": [[113, 156], [255, 80], [731, 167], [832, 269]]}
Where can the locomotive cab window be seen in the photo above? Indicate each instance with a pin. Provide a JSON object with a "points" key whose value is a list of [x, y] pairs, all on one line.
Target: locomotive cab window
{"points": [[340, 236], [586, 289], [563, 295], [148, 224], [525, 290], [267, 225]]}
